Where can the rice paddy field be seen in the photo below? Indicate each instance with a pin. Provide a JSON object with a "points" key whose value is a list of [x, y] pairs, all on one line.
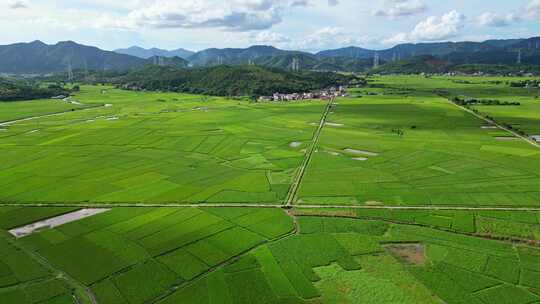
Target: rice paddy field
{"points": [[412, 147], [391, 195], [156, 148], [266, 255]]}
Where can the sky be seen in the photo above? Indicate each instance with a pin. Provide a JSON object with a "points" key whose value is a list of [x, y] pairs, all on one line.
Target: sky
{"points": [[309, 25]]}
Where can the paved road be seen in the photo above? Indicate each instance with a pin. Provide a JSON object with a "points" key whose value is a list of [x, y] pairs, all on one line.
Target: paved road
{"points": [[492, 122]]}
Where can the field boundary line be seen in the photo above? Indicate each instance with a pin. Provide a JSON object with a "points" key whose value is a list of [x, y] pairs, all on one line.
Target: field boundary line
{"points": [[490, 121], [293, 191], [276, 206], [11, 122]]}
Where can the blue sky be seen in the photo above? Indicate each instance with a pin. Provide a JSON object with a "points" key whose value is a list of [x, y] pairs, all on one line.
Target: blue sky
{"points": [[291, 24]]}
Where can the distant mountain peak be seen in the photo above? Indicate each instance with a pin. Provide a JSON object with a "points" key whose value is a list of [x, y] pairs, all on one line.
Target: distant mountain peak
{"points": [[141, 52]]}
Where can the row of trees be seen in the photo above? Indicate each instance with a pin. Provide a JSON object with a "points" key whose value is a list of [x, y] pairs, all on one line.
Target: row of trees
{"points": [[486, 102]]}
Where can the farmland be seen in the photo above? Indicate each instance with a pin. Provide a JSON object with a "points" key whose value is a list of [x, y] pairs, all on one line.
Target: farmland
{"points": [[401, 143], [151, 147], [401, 197], [412, 147], [242, 255]]}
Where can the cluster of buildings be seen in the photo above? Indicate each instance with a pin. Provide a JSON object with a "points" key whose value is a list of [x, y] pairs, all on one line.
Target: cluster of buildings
{"points": [[322, 94]]}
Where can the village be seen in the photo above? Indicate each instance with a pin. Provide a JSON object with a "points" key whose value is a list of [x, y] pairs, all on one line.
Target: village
{"points": [[321, 94]]}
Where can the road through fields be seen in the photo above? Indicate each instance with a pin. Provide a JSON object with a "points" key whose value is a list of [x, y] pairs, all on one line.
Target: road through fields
{"points": [[10, 122], [276, 205], [291, 196], [492, 122]]}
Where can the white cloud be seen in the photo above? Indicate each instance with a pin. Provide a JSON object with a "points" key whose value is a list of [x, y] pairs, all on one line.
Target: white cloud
{"points": [[533, 9], [333, 2], [401, 8], [18, 5], [497, 20], [432, 29], [324, 38], [232, 15], [529, 12], [270, 38]]}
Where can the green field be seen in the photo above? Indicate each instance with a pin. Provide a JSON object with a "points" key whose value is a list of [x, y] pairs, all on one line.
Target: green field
{"points": [[404, 145], [415, 148], [401, 199], [10, 111], [151, 147], [257, 255]]}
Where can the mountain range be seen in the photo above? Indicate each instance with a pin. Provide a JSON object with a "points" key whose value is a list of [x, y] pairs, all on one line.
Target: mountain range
{"points": [[148, 53], [39, 58]]}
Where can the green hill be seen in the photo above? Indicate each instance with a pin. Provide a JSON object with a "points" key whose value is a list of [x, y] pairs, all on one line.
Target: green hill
{"points": [[230, 80]]}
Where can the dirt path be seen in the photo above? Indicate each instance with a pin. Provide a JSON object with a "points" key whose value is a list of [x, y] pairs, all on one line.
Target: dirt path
{"points": [[11, 122], [82, 293], [293, 190], [492, 122]]}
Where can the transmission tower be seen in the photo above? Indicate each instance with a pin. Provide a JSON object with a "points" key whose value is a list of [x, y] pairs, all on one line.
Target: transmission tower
{"points": [[70, 71], [220, 60], [376, 60], [85, 69], [295, 64]]}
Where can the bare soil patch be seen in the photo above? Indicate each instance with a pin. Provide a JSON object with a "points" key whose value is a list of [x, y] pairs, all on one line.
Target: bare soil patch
{"points": [[412, 254]]}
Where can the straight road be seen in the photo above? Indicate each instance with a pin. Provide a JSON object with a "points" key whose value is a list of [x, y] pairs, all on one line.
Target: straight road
{"points": [[276, 205], [293, 190], [494, 123], [11, 122]]}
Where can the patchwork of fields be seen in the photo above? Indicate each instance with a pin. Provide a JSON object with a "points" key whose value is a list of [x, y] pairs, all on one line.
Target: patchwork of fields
{"points": [[400, 201], [394, 149], [400, 143], [264, 255], [148, 147]]}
